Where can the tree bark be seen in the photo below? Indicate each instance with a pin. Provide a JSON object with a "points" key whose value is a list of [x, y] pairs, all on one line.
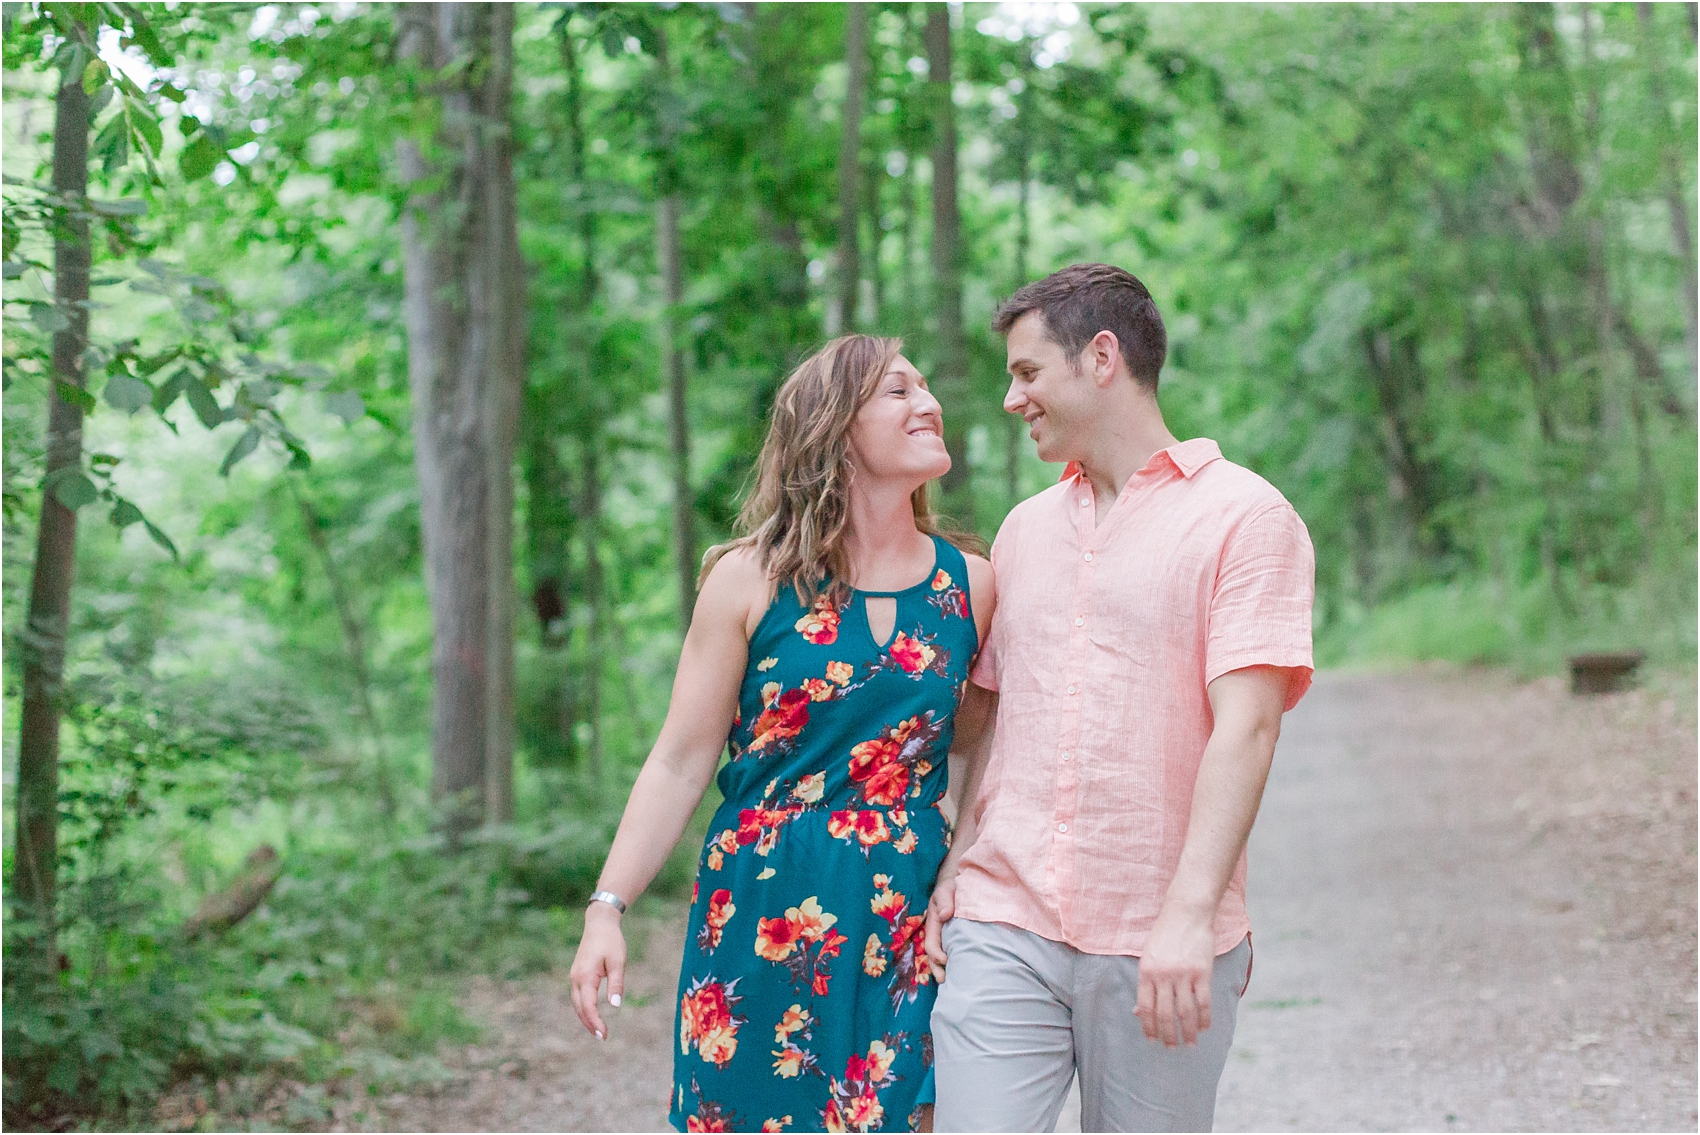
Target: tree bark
{"points": [[951, 366], [589, 509], [1681, 228], [36, 857], [669, 256], [849, 166], [1013, 425], [466, 326]]}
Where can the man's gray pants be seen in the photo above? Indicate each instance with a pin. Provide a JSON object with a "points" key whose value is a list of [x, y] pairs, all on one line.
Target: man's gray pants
{"points": [[1018, 1014]]}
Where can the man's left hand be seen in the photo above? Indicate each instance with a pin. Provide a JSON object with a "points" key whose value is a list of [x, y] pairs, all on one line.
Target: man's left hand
{"points": [[1174, 978]]}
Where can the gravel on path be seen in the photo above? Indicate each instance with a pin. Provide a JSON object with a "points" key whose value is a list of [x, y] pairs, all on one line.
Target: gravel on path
{"points": [[1474, 909]]}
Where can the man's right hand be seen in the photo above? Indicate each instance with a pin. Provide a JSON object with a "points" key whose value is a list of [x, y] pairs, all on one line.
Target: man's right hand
{"points": [[601, 953], [939, 911]]}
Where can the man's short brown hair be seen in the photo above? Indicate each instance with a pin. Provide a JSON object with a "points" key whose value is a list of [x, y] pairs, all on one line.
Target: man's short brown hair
{"points": [[1084, 299]]}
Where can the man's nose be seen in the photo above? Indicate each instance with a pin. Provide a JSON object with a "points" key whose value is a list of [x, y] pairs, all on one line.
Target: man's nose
{"points": [[1014, 401]]}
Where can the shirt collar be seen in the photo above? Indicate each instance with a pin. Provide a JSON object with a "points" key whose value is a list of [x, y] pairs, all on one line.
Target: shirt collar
{"points": [[1188, 457]]}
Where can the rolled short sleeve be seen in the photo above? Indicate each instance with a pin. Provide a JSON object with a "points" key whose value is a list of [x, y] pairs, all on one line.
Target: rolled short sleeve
{"points": [[1260, 608]]}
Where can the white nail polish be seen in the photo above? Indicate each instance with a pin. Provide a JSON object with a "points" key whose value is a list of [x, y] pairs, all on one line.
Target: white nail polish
{"points": [[614, 1000]]}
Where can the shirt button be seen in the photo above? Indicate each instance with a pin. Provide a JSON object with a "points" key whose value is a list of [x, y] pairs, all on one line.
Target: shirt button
{"points": [[1086, 503], [1088, 557], [1079, 621], [1068, 756], [1063, 828], [1071, 689]]}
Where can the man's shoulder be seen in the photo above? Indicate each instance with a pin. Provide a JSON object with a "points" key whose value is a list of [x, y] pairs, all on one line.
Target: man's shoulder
{"points": [[1041, 505], [1242, 491]]}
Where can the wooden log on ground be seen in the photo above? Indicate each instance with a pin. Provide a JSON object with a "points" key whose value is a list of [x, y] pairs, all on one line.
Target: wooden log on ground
{"points": [[221, 910], [1603, 672]]}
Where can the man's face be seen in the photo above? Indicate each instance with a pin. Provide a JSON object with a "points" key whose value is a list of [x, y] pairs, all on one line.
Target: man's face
{"points": [[1056, 400]]}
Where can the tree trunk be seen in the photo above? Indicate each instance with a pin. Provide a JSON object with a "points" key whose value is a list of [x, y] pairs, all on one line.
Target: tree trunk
{"points": [[466, 335], [36, 858], [951, 365], [872, 173], [850, 168], [354, 640], [1014, 427], [1681, 228], [589, 506], [669, 255]]}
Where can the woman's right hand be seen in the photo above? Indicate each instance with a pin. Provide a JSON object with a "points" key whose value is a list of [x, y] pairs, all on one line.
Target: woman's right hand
{"points": [[940, 909], [601, 954]]}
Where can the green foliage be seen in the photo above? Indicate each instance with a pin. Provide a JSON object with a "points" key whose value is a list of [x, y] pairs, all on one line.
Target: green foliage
{"points": [[1419, 268]]}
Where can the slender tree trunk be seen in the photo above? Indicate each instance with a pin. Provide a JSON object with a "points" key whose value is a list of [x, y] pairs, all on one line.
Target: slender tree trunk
{"points": [[354, 641], [590, 521], [36, 857], [669, 255], [589, 423], [466, 328], [1014, 427], [951, 367], [850, 167], [1681, 227], [872, 174]]}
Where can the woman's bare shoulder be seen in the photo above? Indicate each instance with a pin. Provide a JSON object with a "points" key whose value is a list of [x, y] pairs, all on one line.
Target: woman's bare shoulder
{"points": [[737, 586]]}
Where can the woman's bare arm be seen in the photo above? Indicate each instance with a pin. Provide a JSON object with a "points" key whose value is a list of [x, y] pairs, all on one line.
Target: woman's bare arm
{"points": [[677, 772]]}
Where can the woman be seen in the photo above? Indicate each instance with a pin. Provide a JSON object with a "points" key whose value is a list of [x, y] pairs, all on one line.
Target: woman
{"points": [[827, 651]]}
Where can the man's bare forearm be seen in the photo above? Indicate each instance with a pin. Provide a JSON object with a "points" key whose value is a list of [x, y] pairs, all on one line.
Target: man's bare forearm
{"points": [[976, 721]]}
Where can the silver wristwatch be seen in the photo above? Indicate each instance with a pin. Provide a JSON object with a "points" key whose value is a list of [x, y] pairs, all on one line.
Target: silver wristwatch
{"points": [[611, 899]]}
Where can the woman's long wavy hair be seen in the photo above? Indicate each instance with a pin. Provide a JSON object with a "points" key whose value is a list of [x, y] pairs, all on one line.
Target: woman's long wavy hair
{"points": [[798, 515]]}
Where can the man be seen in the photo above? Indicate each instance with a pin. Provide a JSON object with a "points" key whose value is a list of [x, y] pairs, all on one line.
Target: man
{"points": [[1152, 625]]}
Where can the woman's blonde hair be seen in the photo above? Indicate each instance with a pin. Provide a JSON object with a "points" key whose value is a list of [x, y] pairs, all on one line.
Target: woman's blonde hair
{"points": [[798, 515]]}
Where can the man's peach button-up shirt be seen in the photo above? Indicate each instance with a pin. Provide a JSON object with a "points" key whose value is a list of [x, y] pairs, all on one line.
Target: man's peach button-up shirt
{"points": [[1104, 641]]}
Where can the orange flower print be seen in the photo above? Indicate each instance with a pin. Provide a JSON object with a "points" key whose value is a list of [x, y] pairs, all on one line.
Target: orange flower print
{"points": [[813, 921], [783, 719], [820, 624], [796, 1019], [906, 845], [767, 664], [775, 1124], [941, 580], [889, 904], [720, 912], [854, 1103], [769, 692], [873, 957], [706, 1020], [776, 938], [789, 1062], [840, 673], [819, 689], [810, 788], [867, 827], [911, 655], [716, 859]]}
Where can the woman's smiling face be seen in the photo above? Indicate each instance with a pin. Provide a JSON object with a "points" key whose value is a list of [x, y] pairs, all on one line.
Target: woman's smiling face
{"points": [[898, 433]]}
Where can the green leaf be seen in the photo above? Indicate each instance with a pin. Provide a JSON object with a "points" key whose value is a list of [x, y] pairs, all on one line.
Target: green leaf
{"points": [[146, 126], [127, 394], [166, 393], [347, 405], [200, 157], [201, 400], [245, 445], [13, 269], [72, 488], [74, 395], [94, 76], [159, 537], [125, 514], [48, 317]]}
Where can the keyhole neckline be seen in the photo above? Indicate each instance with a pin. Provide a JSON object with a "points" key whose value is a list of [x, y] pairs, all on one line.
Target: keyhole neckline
{"points": [[926, 580]]}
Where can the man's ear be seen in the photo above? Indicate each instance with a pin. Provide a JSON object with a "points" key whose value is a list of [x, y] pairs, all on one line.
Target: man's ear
{"points": [[1103, 357]]}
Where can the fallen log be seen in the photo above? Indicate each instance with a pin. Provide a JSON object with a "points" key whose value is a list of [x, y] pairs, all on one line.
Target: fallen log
{"points": [[223, 909]]}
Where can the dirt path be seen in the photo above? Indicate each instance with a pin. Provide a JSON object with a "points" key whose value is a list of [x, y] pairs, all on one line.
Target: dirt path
{"points": [[1474, 904]]}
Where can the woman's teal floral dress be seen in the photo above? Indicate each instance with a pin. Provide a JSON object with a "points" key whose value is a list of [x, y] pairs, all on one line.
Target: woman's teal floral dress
{"points": [[805, 996]]}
